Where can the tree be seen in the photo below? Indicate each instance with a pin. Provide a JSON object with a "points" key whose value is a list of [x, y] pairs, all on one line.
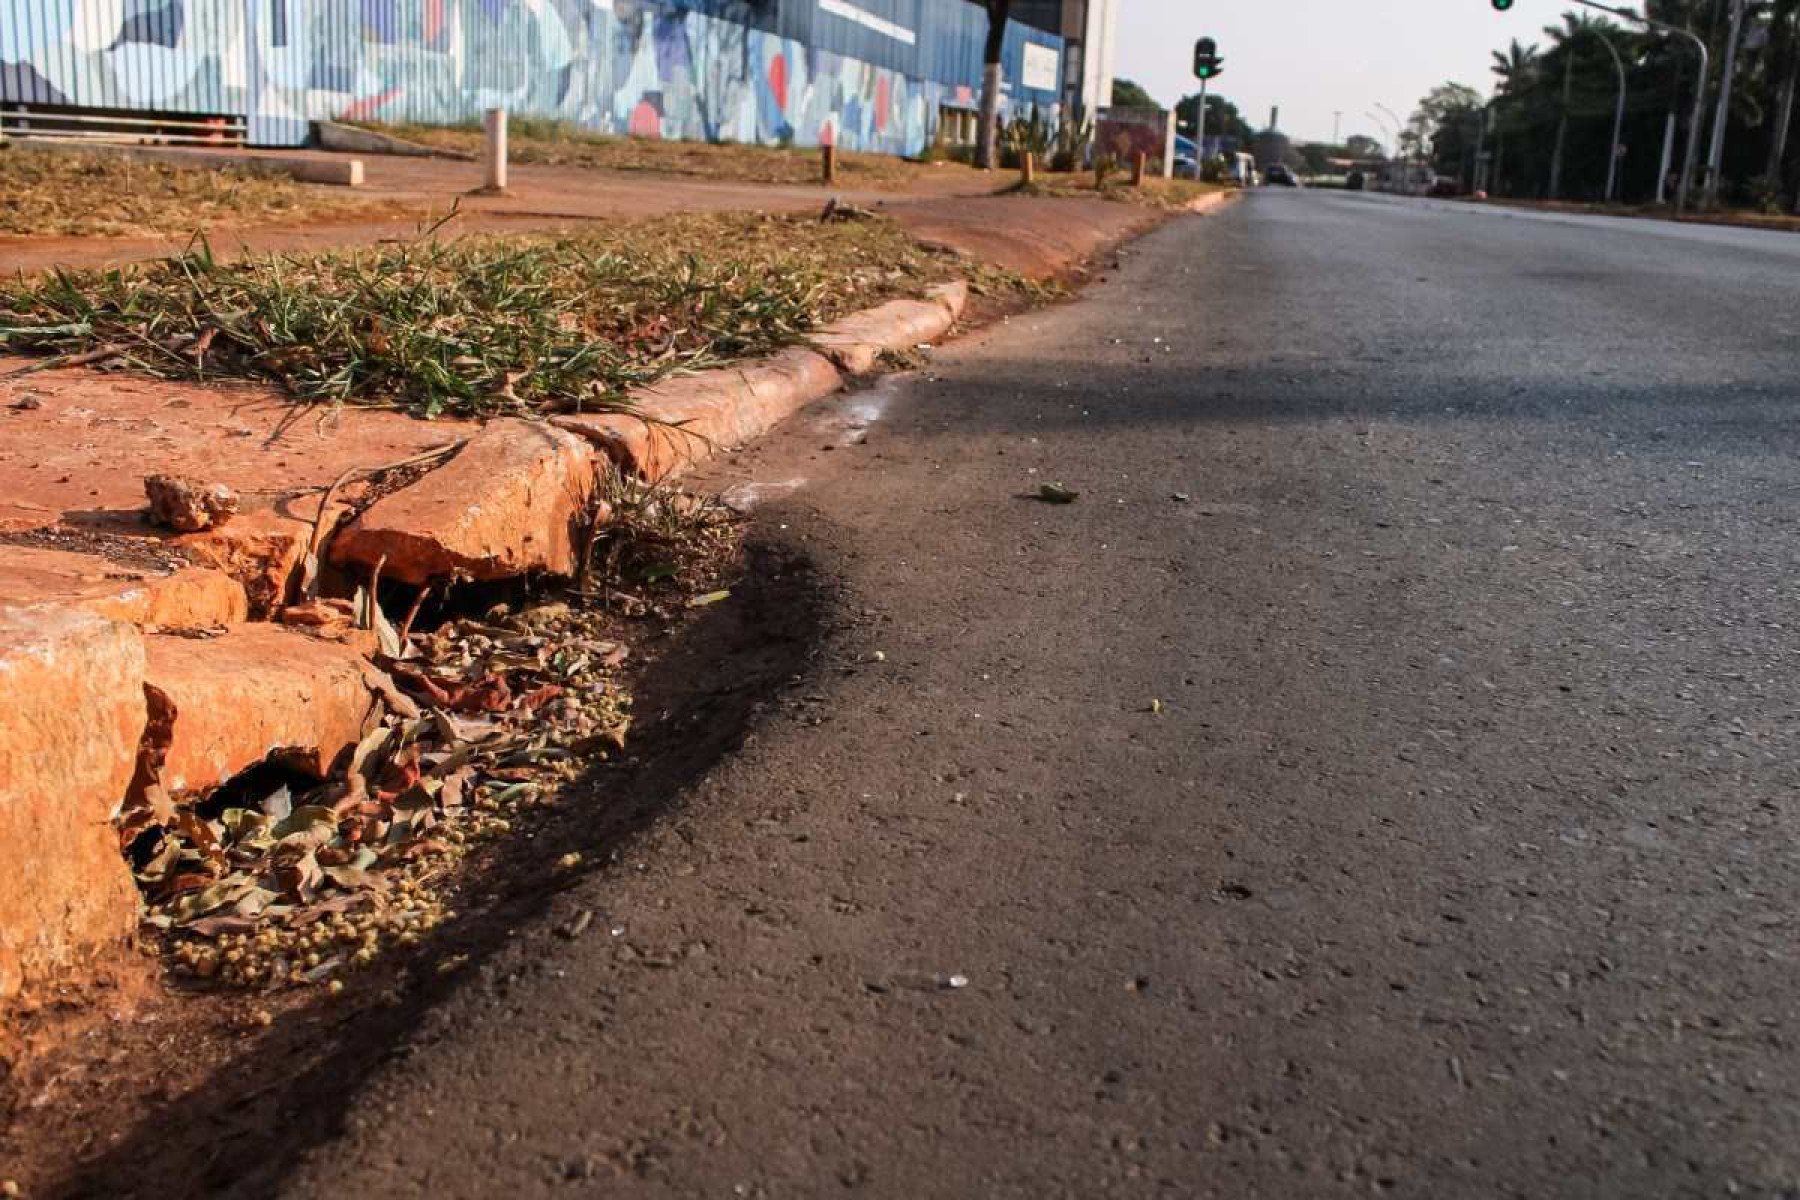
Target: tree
{"points": [[988, 127], [1127, 94], [1761, 162], [1315, 157], [1359, 145], [1222, 119], [1448, 120]]}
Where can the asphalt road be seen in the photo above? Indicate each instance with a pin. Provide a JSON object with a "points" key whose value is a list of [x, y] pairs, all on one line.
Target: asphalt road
{"points": [[1382, 780]]}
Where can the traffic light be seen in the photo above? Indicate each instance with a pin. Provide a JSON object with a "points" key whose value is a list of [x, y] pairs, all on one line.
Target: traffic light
{"points": [[1502, 5], [1207, 63]]}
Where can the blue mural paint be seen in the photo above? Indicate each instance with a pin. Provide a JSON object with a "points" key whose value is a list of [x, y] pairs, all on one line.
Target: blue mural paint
{"points": [[867, 74]]}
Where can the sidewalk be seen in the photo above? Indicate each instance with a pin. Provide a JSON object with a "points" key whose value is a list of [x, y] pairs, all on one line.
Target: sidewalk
{"points": [[415, 192]]}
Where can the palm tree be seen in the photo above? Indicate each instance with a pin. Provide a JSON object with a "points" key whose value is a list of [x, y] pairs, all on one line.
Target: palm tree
{"points": [[1516, 66]]}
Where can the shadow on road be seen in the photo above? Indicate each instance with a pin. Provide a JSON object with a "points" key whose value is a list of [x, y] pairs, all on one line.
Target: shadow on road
{"points": [[242, 1130]]}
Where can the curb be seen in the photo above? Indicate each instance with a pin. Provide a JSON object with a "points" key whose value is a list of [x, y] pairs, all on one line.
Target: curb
{"points": [[339, 172], [119, 703], [352, 139], [687, 419], [1212, 202]]}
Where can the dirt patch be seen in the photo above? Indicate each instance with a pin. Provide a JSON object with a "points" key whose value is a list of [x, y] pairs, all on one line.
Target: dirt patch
{"points": [[1033, 236], [550, 143], [79, 457], [1167, 195], [1784, 222], [125, 552]]}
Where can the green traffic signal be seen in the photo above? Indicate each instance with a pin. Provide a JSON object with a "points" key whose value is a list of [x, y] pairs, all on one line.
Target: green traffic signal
{"points": [[1501, 5], [1207, 62]]}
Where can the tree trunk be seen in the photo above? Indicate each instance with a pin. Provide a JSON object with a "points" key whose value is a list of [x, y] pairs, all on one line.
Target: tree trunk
{"points": [[1562, 126], [1784, 116], [987, 146], [1784, 120]]}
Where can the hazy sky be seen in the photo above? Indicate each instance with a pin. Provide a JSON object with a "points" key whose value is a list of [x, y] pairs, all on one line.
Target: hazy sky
{"points": [[1314, 56]]}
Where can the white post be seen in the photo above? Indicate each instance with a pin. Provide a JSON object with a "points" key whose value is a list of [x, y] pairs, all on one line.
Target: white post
{"points": [[1168, 165], [1716, 162], [494, 150], [1668, 159]]}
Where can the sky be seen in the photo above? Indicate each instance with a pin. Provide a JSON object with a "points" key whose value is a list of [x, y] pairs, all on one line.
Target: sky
{"points": [[1314, 57]]}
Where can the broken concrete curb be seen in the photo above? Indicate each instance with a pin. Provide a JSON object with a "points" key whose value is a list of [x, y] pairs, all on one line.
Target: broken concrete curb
{"points": [[510, 503], [219, 705], [856, 342], [687, 419], [954, 296], [68, 745], [188, 598], [1212, 202], [262, 550], [185, 714]]}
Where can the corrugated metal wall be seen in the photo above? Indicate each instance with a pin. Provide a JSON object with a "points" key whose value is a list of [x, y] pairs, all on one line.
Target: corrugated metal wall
{"points": [[866, 73], [121, 55]]}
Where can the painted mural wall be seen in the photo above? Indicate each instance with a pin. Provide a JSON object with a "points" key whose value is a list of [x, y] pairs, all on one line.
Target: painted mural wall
{"points": [[868, 75]]}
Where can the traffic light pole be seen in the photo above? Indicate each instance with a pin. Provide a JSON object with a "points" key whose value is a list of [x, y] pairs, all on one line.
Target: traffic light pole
{"points": [[1200, 134]]}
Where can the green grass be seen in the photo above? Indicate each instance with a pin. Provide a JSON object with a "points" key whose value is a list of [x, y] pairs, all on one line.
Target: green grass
{"points": [[483, 326]]}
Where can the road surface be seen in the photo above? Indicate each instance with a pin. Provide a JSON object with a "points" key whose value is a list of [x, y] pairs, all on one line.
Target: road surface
{"points": [[1381, 781]]}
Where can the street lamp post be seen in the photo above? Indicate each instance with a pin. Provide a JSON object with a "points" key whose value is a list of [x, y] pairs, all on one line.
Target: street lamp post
{"points": [[1716, 160], [1399, 140], [1693, 146], [1386, 127], [1612, 157]]}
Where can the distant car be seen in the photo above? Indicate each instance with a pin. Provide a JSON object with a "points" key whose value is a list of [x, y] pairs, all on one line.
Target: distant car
{"points": [[1445, 187], [1356, 181], [1280, 176]]}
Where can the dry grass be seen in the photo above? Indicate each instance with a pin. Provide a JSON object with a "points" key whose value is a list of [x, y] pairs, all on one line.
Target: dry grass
{"points": [[485, 325], [549, 143], [1165, 194], [48, 193]]}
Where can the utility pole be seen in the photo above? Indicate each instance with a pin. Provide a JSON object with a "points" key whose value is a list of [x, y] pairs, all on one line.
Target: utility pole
{"points": [[1337, 125], [1716, 162]]}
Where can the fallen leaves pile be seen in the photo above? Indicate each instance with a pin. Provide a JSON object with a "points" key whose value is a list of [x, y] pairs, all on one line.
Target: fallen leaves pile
{"points": [[483, 719]]}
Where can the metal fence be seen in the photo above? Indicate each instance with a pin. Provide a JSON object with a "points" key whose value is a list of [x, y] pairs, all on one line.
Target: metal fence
{"points": [[867, 74]]}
